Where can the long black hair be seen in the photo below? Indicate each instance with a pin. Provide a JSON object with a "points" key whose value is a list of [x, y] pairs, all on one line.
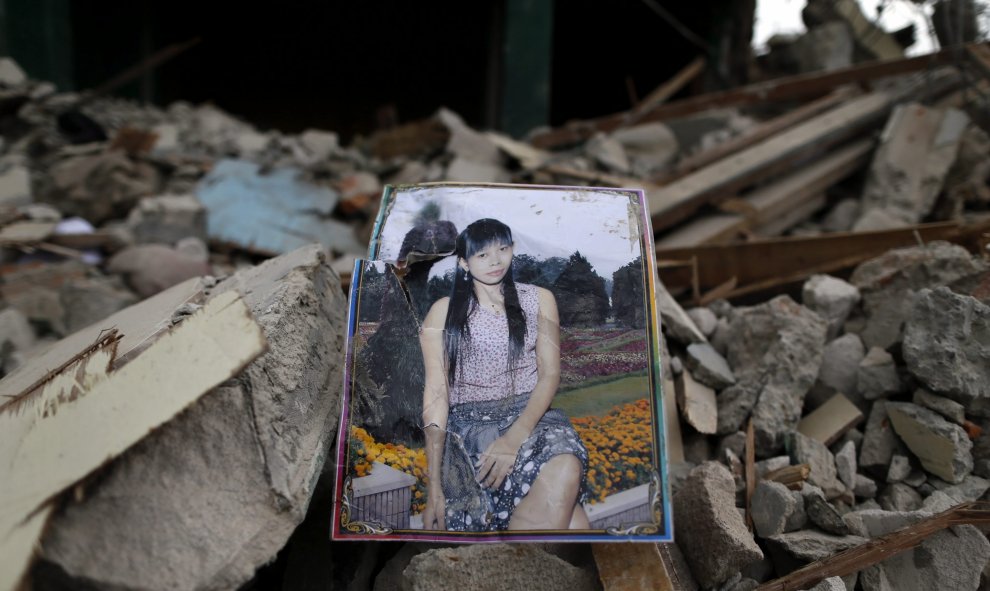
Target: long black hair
{"points": [[463, 301]]}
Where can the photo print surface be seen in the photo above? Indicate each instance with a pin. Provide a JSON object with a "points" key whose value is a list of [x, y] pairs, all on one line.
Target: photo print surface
{"points": [[502, 379]]}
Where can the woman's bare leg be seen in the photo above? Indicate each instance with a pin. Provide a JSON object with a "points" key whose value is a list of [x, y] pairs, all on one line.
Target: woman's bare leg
{"points": [[550, 503], [579, 519]]}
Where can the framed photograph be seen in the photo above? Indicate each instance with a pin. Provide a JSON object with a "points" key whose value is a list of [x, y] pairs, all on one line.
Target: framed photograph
{"points": [[502, 376]]}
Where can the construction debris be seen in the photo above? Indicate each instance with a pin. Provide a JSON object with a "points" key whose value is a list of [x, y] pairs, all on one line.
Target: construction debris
{"points": [[860, 191]]}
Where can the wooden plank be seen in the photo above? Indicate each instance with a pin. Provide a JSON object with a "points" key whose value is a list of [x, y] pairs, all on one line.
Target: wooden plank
{"points": [[801, 86], [631, 567], [666, 90], [671, 204], [830, 421], [774, 201], [757, 134], [762, 264], [880, 548], [45, 451]]}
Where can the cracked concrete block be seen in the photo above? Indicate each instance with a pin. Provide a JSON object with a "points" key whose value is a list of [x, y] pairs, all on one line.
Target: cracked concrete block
{"points": [[805, 450], [876, 376], [943, 447], [831, 298]]}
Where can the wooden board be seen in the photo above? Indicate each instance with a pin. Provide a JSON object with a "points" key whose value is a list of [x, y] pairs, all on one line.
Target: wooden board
{"points": [[60, 440], [774, 202]]}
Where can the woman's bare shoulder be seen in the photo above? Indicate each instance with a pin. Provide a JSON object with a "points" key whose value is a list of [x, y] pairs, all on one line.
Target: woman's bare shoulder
{"points": [[544, 294], [437, 316]]}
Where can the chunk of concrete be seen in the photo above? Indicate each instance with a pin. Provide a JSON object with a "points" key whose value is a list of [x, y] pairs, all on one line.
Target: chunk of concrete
{"points": [[708, 366], [917, 148], [845, 464], [151, 268], [945, 347], [491, 567], [899, 497], [697, 404], [810, 545], [777, 345], [832, 299], [949, 409], [943, 447], [864, 487], [704, 319], [11, 74], [676, 322], [771, 506], [879, 441], [166, 219], [709, 529], [15, 186], [211, 496], [888, 283], [899, 469], [829, 584], [821, 512], [805, 450], [608, 153], [876, 376], [840, 361], [650, 147], [98, 186]]}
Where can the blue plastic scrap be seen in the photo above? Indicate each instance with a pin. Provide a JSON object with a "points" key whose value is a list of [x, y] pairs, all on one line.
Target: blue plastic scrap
{"points": [[273, 212]]}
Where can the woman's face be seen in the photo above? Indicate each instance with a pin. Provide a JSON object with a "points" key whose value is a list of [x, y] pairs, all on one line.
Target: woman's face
{"points": [[490, 264]]}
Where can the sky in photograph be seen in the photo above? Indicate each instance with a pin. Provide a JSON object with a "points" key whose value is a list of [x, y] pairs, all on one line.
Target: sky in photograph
{"points": [[784, 17], [545, 223]]}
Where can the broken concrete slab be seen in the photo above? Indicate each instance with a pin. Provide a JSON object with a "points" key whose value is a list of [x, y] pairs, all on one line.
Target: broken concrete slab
{"points": [[708, 528], [832, 299], [708, 366], [74, 426], [945, 347], [15, 186], [271, 213], [918, 146], [697, 404], [900, 468], [212, 525], [840, 361], [778, 345], [650, 147], [888, 283], [772, 506], [876, 376], [810, 545], [949, 409], [943, 447], [152, 268], [491, 567], [805, 450], [704, 319], [674, 319], [608, 153], [166, 219]]}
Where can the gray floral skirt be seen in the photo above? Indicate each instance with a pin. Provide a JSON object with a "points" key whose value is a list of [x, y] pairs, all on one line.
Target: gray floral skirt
{"points": [[471, 428]]}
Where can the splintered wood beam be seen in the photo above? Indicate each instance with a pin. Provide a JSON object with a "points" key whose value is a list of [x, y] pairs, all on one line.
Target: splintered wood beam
{"points": [[758, 133], [879, 549], [666, 90], [792, 477], [798, 87], [85, 417], [772, 206], [770, 263]]}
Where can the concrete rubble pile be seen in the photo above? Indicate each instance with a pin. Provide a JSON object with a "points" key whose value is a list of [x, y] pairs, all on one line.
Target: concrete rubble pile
{"points": [[862, 373]]}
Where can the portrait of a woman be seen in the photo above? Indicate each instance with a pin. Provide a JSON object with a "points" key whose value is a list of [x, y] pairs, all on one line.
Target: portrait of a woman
{"points": [[498, 456]]}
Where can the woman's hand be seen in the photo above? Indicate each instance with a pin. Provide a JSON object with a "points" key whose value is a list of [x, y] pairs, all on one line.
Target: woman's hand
{"points": [[497, 460], [434, 514]]}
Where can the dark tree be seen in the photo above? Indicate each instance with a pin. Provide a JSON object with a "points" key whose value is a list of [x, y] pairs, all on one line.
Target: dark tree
{"points": [[372, 293], [528, 269], [439, 286], [580, 293], [627, 295]]}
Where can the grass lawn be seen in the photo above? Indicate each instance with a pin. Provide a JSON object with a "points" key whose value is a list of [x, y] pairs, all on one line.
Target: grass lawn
{"points": [[600, 398]]}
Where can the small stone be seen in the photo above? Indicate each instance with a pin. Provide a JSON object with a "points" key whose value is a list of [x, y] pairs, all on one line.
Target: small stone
{"points": [[970, 489], [841, 217], [937, 502], [736, 442], [805, 450], [879, 441], [799, 518], [832, 299], [704, 319], [735, 404], [845, 464], [15, 186], [771, 464], [708, 367], [949, 409], [915, 478], [943, 447], [771, 506], [876, 376], [900, 468], [708, 528], [840, 362], [821, 512], [899, 497]]}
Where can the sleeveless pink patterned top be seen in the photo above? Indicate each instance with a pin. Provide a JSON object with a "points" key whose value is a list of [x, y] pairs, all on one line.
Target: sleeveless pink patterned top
{"points": [[482, 363]]}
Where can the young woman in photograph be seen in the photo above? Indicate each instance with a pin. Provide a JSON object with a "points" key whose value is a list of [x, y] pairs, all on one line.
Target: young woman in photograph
{"points": [[498, 456]]}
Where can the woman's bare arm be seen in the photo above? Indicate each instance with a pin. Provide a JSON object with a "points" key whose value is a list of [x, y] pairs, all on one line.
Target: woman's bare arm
{"points": [[498, 458], [435, 409]]}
